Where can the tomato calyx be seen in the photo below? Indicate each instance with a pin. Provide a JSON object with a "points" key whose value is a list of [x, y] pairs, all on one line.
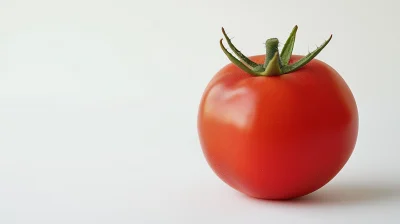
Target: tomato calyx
{"points": [[275, 63]]}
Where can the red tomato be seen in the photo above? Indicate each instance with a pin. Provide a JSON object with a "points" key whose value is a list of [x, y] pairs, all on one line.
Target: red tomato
{"points": [[278, 137]]}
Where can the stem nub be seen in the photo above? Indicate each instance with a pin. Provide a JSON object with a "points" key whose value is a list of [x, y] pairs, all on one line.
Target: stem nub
{"points": [[271, 46], [275, 63]]}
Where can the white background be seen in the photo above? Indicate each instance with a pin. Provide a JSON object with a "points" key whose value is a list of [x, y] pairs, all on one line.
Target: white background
{"points": [[98, 106]]}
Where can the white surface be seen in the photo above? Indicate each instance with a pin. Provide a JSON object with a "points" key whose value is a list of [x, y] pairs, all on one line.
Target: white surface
{"points": [[98, 106]]}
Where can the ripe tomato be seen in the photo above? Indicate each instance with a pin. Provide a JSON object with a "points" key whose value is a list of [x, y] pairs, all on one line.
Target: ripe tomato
{"points": [[277, 136]]}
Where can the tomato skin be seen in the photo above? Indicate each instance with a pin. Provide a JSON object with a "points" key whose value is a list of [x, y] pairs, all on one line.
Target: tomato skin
{"points": [[278, 137]]}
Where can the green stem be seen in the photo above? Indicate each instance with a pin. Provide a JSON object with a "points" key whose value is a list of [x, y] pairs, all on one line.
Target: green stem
{"points": [[275, 63], [272, 63], [273, 68], [271, 46]]}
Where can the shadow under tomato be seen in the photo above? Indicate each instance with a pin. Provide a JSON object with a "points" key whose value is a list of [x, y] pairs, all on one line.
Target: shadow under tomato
{"points": [[345, 194]]}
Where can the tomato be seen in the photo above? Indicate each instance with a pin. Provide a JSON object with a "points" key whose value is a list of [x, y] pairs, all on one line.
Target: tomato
{"points": [[277, 136]]}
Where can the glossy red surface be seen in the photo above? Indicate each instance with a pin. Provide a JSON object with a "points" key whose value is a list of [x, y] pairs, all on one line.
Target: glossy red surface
{"points": [[278, 137]]}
